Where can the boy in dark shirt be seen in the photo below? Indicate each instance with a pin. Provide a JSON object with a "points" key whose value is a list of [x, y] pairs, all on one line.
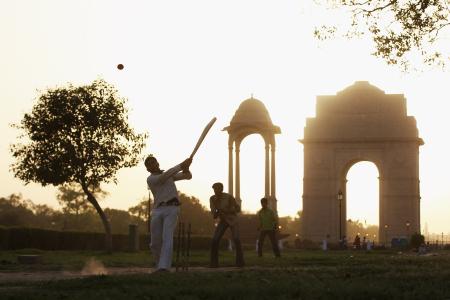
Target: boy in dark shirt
{"points": [[225, 207]]}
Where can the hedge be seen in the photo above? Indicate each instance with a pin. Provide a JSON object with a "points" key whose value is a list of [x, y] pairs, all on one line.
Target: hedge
{"points": [[13, 238]]}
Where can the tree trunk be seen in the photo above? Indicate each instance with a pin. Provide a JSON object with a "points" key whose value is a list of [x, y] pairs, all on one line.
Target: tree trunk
{"points": [[106, 224]]}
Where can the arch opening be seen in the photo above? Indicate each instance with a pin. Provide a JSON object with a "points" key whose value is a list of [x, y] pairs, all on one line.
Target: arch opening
{"points": [[252, 172], [362, 201]]}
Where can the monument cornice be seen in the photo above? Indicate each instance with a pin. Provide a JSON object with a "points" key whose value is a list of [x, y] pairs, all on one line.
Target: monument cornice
{"points": [[362, 140]]}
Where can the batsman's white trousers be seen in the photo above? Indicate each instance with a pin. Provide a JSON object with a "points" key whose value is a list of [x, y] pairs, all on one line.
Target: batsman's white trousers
{"points": [[164, 220]]}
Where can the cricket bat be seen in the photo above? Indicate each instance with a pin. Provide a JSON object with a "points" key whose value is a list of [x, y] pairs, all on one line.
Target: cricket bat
{"points": [[202, 136]]}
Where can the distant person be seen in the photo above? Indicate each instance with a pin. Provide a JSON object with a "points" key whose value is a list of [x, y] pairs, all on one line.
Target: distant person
{"points": [[357, 242], [268, 225], [343, 242], [369, 245], [225, 207], [165, 208], [423, 249], [364, 243], [325, 243]]}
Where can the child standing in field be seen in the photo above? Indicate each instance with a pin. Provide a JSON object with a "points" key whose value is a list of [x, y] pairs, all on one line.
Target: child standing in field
{"points": [[268, 225]]}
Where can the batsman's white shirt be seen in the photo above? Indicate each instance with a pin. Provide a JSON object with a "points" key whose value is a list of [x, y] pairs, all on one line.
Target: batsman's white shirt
{"points": [[163, 185], [164, 218]]}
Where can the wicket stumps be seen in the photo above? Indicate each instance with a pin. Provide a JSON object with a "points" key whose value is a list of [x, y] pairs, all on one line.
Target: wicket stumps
{"points": [[183, 247]]}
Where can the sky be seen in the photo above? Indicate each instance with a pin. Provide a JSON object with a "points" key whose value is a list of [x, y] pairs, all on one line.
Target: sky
{"points": [[188, 61]]}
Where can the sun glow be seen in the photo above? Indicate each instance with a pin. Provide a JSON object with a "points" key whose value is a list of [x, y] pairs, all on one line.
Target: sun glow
{"points": [[188, 61], [363, 193]]}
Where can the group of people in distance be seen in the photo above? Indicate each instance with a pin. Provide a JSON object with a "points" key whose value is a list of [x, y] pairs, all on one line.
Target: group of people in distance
{"points": [[166, 208], [366, 243]]}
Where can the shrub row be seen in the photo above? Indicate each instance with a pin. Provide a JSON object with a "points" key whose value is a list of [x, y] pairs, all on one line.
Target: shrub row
{"points": [[13, 238]]}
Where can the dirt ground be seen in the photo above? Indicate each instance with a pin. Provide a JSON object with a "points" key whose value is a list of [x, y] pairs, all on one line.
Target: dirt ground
{"points": [[61, 275], [94, 268]]}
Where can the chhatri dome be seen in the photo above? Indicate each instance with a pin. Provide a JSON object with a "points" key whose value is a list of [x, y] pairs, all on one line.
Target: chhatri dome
{"points": [[252, 113], [361, 88], [252, 117]]}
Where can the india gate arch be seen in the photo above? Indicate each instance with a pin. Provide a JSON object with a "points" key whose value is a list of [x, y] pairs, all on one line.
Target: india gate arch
{"points": [[360, 123], [252, 117]]}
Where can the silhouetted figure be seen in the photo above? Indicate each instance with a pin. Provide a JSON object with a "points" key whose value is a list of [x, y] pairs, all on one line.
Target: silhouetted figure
{"points": [[423, 249], [357, 242], [343, 242], [369, 245], [325, 243], [225, 207], [268, 225], [165, 208]]}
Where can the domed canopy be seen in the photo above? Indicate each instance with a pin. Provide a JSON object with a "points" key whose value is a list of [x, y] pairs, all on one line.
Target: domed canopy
{"points": [[361, 87], [252, 113]]}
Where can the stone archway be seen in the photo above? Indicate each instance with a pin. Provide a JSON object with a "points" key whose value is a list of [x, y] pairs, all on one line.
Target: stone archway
{"points": [[252, 117], [360, 123]]}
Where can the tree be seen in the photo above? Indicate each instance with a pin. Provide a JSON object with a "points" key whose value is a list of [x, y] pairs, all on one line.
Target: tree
{"points": [[398, 28], [142, 213], [77, 135], [192, 211], [358, 228], [44, 216], [292, 226], [141, 210], [72, 198], [73, 201], [417, 240], [120, 219], [15, 211]]}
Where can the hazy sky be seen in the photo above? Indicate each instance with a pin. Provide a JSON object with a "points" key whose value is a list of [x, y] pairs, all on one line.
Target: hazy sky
{"points": [[187, 61]]}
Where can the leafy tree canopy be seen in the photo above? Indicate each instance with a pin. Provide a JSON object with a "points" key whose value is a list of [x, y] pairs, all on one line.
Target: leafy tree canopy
{"points": [[399, 28], [73, 200], [17, 211], [141, 210], [76, 134]]}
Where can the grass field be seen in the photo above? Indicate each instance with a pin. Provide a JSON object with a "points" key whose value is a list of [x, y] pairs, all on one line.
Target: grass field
{"points": [[297, 275]]}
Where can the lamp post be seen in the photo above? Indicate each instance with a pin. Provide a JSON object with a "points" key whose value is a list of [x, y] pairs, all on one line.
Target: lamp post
{"points": [[407, 228], [340, 196], [385, 233]]}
